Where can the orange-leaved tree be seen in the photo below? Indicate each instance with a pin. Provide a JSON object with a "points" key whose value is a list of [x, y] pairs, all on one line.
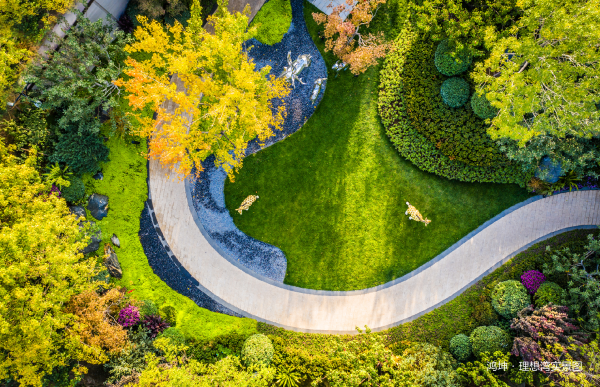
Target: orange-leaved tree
{"points": [[217, 102], [344, 36]]}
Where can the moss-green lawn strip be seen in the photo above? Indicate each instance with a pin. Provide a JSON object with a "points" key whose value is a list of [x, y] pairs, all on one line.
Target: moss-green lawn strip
{"points": [[273, 21], [332, 196]]}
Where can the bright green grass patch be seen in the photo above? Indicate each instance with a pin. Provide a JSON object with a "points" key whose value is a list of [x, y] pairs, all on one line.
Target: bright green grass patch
{"points": [[273, 19], [125, 184], [332, 196]]}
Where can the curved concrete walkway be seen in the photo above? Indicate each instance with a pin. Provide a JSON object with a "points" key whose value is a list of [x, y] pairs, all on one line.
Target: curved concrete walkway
{"points": [[387, 305]]}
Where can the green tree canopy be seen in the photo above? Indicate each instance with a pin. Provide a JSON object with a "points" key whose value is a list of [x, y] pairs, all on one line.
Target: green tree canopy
{"points": [[77, 79], [40, 269], [544, 79]]}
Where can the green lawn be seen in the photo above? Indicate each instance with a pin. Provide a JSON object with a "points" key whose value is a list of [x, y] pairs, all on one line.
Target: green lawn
{"points": [[332, 196]]}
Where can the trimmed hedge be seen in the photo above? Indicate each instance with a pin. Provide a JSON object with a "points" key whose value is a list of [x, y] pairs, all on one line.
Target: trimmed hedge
{"points": [[409, 98], [490, 339], [509, 298], [549, 292], [450, 63], [455, 92], [482, 107]]}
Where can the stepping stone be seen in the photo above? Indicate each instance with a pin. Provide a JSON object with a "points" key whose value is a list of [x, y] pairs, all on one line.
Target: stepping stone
{"points": [[98, 206], [115, 240]]}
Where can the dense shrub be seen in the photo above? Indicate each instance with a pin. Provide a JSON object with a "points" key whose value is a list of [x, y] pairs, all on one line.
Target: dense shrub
{"points": [[129, 316], [455, 92], [132, 359], [423, 364], [169, 314], [274, 19], [448, 61], [210, 351], [174, 335], [75, 191], [81, 152], [29, 129], [257, 349], [452, 143], [460, 347], [549, 292], [482, 107], [532, 279], [147, 308], [509, 298], [155, 325], [490, 339]]}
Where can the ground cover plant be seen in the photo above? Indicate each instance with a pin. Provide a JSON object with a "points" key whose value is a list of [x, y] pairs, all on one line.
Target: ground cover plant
{"points": [[273, 21], [332, 196]]}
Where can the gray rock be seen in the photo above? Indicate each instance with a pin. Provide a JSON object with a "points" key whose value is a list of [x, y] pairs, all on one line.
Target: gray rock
{"points": [[111, 261], [115, 240], [95, 238], [98, 176], [98, 206], [549, 171], [79, 211]]}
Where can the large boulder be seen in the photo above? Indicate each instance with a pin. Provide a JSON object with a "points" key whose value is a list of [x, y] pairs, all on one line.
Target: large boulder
{"points": [[79, 211], [98, 206], [111, 261], [95, 237], [548, 170]]}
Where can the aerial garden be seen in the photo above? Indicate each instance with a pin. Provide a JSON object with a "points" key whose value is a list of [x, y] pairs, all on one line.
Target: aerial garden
{"points": [[463, 109]]}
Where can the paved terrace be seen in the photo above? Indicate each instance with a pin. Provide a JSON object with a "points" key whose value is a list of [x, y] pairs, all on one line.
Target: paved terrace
{"points": [[387, 305]]}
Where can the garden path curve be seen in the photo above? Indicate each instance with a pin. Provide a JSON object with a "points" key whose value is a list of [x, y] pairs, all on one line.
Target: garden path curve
{"points": [[398, 301]]}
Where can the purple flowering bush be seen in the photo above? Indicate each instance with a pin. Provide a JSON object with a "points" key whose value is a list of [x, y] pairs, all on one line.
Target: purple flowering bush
{"points": [[129, 316], [532, 280]]}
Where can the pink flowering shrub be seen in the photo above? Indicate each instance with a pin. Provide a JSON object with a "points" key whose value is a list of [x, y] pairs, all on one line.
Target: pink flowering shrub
{"points": [[129, 316], [532, 280]]}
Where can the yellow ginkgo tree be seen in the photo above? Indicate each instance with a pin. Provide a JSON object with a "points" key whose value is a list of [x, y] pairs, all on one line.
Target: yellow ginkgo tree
{"points": [[208, 95]]}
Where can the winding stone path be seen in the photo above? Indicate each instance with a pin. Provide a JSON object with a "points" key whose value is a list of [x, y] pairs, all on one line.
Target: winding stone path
{"points": [[387, 305]]}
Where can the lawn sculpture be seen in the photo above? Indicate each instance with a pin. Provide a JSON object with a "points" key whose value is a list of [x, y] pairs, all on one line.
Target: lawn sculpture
{"points": [[247, 203], [416, 215], [319, 84], [290, 73], [339, 66]]}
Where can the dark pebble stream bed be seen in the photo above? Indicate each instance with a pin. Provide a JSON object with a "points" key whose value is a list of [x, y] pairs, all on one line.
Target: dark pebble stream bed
{"points": [[208, 199]]}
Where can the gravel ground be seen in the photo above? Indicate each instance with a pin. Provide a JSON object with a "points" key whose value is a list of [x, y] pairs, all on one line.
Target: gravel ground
{"points": [[207, 191]]}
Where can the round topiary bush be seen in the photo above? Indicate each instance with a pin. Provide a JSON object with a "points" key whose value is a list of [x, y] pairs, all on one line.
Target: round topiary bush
{"points": [[74, 192], [482, 107], [455, 92], [147, 308], [257, 349], [549, 292], [490, 339], [460, 347], [448, 61], [509, 298], [532, 279]]}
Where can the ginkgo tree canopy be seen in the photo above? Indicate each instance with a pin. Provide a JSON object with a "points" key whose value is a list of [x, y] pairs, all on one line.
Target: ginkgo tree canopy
{"points": [[222, 103]]}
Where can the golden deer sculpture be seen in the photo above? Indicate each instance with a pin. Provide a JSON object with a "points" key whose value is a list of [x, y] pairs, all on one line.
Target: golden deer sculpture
{"points": [[247, 203], [415, 214]]}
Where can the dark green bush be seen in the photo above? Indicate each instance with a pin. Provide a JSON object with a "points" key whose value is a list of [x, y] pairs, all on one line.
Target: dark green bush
{"points": [[210, 351], [169, 314], [81, 152], [509, 298], [460, 347], [455, 92], [449, 62], [482, 107], [490, 339], [549, 292], [452, 143], [75, 191], [257, 349]]}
